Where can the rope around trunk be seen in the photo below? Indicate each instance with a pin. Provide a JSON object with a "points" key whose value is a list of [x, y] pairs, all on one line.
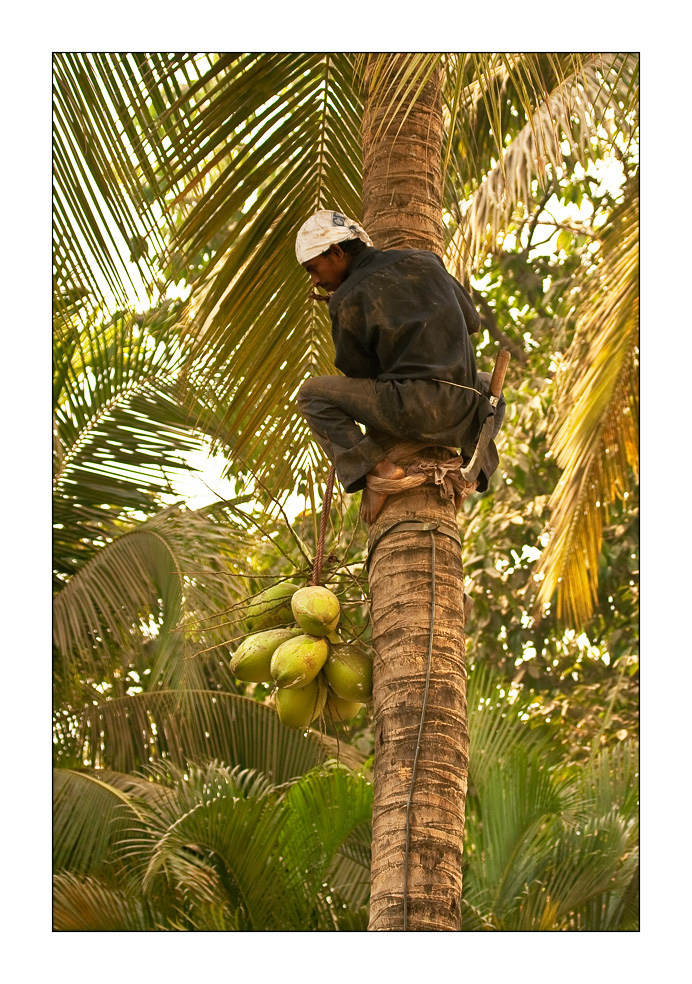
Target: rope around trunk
{"points": [[431, 631], [442, 470]]}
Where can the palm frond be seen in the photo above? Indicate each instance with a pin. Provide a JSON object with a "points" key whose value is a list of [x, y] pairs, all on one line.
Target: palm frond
{"points": [[595, 431], [149, 587], [585, 877], [329, 834], [519, 799], [550, 848], [121, 431], [396, 82], [97, 904], [108, 202], [574, 100], [115, 591], [268, 854], [89, 816], [612, 781], [181, 726], [285, 131], [233, 831], [496, 724]]}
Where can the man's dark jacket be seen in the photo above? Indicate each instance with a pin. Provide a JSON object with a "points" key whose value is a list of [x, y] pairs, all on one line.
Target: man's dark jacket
{"points": [[400, 315]]}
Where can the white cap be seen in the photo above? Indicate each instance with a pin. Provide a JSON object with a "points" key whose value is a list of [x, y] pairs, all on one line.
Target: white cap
{"points": [[324, 228]]}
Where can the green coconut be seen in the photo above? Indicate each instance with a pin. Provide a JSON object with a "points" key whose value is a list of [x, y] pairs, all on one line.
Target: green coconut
{"points": [[251, 660], [297, 661], [316, 610], [340, 709], [298, 708], [348, 670], [271, 607]]}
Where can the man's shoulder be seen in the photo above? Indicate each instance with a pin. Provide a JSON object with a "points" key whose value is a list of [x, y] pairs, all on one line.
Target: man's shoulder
{"points": [[379, 268], [416, 266], [387, 257], [395, 263]]}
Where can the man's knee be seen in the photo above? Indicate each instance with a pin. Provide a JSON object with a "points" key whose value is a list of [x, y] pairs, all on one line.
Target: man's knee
{"points": [[309, 391]]}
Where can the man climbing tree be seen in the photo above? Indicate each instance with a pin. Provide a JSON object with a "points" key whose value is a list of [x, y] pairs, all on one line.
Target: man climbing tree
{"points": [[401, 325]]}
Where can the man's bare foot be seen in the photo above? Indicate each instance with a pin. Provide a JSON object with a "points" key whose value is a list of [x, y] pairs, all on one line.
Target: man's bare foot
{"points": [[372, 502]]}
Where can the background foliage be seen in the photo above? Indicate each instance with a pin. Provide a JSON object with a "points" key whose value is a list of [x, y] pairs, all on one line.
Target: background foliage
{"points": [[181, 323]]}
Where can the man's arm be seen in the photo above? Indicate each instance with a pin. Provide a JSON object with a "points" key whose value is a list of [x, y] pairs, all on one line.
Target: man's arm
{"points": [[471, 316]]}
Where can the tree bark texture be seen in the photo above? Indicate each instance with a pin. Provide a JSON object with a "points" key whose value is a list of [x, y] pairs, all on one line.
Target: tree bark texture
{"points": [[401, 593], [402, 208], [402, 158]]}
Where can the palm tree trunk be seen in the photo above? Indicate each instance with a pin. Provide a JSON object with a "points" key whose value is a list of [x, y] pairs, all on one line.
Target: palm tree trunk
{"points": [[402, 571], [417, 829], [402, 158]]}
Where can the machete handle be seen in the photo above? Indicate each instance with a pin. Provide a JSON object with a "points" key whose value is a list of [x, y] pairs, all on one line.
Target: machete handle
{"points": [[498, 377], [472, 470]]}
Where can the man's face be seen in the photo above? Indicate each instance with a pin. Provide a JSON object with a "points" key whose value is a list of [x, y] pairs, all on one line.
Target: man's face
{"points": [[329, 270]]}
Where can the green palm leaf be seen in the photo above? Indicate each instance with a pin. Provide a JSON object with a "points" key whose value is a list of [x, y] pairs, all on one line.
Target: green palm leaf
{"points": [[519, 798], [121, 431], [108, 202], [612, 782], [587, 867], [181, 726], [329, 836], [210, 848], [89, 817], [577, 100], [554, 849], [252, 329], [217, 821], [92, 904], [496, 725], [594, 433], [112, 595], [153, 587], [270, 855]]}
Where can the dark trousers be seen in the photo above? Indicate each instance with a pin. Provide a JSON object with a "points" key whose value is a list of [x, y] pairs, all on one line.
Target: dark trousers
{"points": [[421, 410]]}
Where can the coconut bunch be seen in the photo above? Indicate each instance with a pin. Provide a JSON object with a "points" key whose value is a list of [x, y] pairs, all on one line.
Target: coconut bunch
{"points": [[295, 645]]}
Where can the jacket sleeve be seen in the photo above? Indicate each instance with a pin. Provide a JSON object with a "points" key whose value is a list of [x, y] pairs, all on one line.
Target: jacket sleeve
{"points": [[471, 316]]}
